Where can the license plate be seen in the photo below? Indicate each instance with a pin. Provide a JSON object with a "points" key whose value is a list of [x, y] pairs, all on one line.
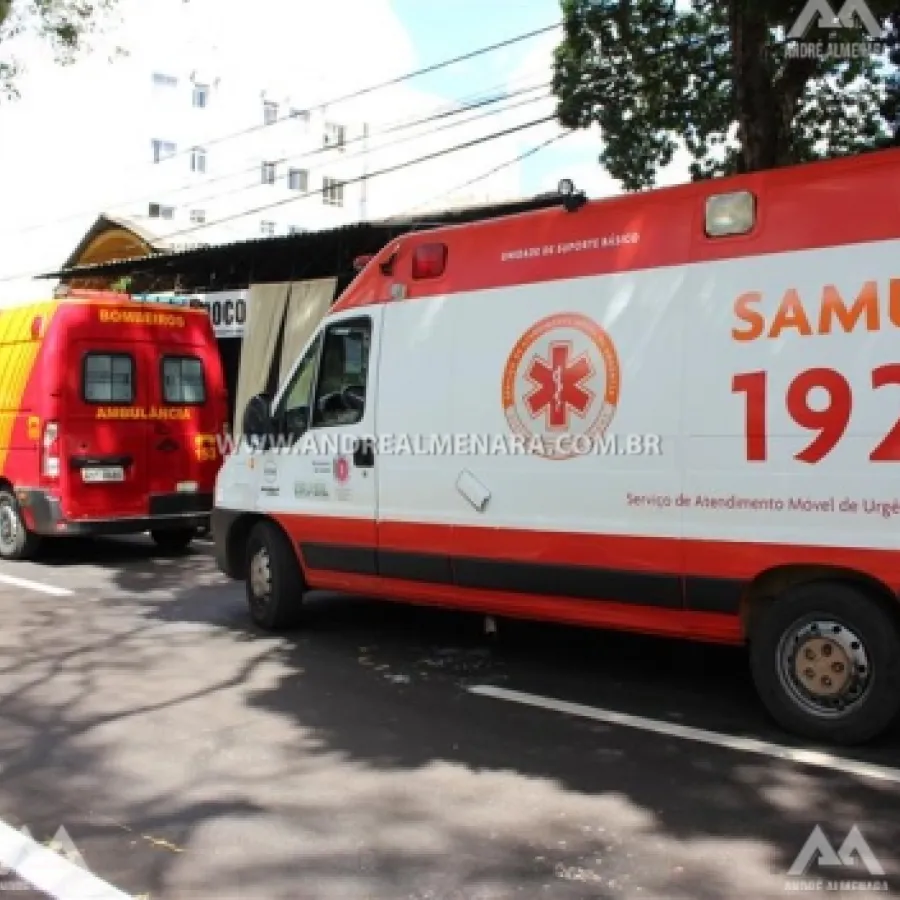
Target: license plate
{"points": [[186, 487], [103, 474]]}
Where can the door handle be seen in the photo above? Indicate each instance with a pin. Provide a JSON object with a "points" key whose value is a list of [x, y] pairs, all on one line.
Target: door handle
{"points": [[363, 454]]}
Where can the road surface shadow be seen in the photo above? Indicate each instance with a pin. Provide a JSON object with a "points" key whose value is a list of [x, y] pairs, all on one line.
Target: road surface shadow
{"points": [[190, 755], [111, 553], [380, 687]]}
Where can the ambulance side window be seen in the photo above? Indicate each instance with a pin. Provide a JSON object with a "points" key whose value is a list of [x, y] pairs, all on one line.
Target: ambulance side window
{"points": [[182, 380], [108, 378], [341, 386], [292, 415]]}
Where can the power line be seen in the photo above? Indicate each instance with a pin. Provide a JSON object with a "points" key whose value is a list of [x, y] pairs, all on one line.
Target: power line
{"points": [[398, 125], [353, 95], [391, 82], [372, 150], [385, 171], [493, 171]]}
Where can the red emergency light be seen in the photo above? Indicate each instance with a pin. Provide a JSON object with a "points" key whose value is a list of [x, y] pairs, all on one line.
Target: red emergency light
{"points": [[429, 261], [362, 261]]}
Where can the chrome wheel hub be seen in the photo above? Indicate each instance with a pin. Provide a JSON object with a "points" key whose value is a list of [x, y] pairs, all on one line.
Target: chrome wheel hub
{"points": [[824, 667], [9, 525], [260, 576]]}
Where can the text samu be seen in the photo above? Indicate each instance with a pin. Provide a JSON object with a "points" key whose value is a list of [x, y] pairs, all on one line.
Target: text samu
{"points": [[870, 310]]}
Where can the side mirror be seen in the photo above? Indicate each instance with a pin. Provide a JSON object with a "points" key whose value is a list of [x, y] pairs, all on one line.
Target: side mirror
{"points": [[257, 417]]}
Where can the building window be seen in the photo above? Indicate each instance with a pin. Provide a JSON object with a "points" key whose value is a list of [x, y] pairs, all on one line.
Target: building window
{"points": [[162, 150], [332, 192], [160, 79], [298, 180], [158, 211], [302, 117], [198, 160], [267, 228], [268, 173], [198, 216], [296, 229], [335, 136], [201, 95], [270, 112]]}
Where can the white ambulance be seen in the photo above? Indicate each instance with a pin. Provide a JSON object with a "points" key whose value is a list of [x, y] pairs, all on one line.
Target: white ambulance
{"points": [[675, 413]]}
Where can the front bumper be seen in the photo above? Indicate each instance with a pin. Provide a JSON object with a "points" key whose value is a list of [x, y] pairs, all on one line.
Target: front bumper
{"points": [[221, 521], [43, 515]]}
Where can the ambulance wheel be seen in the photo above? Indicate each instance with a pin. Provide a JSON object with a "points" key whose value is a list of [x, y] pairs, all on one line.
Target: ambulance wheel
{"points": [[16, 541], [275, 583], [173, 540], [825, 658]]}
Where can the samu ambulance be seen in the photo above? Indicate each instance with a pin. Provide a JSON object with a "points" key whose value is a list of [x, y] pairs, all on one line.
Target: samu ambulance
{"points": [[732, 346], [110, 416]]}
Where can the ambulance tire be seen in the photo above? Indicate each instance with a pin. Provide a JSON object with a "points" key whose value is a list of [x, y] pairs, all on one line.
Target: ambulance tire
{"points": [[23, 544], [274, 581], [859, 629]]}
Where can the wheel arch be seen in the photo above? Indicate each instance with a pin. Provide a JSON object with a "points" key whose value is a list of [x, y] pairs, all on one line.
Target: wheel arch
{"points": [[236, 542], [768, 585]]}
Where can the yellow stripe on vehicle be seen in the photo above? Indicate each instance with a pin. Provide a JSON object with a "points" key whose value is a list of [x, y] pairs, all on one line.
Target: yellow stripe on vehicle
{"points": [[18, 352]]}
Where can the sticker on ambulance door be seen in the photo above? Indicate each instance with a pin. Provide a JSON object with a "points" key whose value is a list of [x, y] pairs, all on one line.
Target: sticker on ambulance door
{"points": [[561, 385]]}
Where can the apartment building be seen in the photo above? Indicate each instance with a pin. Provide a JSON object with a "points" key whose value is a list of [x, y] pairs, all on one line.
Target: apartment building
{"points": [[217, 149], [207, 132]]}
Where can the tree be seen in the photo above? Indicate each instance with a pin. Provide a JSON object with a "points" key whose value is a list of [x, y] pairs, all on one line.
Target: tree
{"points": [[720, 77], [890, 109], [63, 24]]}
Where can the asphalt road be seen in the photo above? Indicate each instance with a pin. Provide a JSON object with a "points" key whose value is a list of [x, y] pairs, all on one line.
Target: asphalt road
{"points": [[189, 756]]}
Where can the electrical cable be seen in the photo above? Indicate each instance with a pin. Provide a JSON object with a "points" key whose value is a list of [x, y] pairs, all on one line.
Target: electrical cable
{"points": [[385, 171], [368, 152], [379, 172], [660, 51], [505, 165], [391, 82], [399, 125]]}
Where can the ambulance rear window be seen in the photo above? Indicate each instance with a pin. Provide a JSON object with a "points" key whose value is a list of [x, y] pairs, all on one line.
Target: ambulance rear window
{"points": [[108, 378], [182, 380]]}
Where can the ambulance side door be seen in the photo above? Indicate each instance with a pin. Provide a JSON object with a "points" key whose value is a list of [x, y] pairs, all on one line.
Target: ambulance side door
{"points": [[321, 480]]}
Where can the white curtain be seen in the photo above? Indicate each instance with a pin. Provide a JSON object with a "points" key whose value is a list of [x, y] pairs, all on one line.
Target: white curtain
{"points": [[308, 304], [265, 312]]}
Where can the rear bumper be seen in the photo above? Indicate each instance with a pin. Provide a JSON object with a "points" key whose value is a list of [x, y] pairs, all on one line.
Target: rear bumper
{"points": [[43, 515]]}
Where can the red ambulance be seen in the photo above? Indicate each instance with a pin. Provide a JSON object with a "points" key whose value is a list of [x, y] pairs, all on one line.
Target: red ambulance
{"points": [[109, 416], [705, 380]]}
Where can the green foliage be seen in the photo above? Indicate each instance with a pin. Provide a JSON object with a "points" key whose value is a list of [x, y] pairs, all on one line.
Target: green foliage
{"points": [[63, 24], [890, 108], [718, 77]]}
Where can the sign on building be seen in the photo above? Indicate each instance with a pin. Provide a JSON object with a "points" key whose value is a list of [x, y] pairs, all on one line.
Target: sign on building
{"points": [[227, 309], [228, 312]]}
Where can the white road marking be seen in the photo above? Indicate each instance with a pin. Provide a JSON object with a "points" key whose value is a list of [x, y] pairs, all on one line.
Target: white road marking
{"points": [[38, 586], [50, 872], [687, 732]]}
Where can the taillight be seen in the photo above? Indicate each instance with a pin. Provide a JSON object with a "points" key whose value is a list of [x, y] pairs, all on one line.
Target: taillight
{"points": [[50, 455], [429, 261]]}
